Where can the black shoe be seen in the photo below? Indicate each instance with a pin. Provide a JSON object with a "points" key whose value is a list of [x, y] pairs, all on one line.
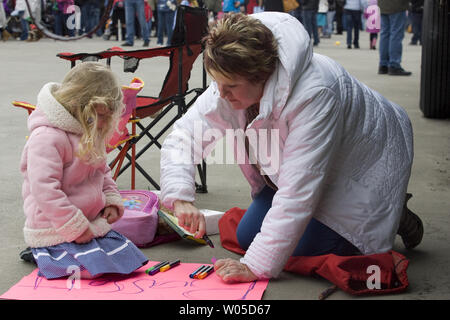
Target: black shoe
{"points": [[356, 46], [382, 70], [146, 43], [349, 46], [411, 227], [27, 255], [126, 44], [398, 72]]}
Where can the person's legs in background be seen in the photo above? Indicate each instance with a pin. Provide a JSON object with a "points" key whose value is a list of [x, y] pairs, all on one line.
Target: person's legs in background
{"points": [[397, 31], [25, 26], [416, 21], [160, 27], [330, 20], [349, 26], [140, 11], [385, 34], [57, 24], [315, 29], [169, 25], [357, 23], [129, 22], [307, 23]]}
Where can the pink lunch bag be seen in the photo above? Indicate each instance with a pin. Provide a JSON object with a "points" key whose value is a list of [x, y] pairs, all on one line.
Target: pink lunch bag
{"points": [[140, 219]]}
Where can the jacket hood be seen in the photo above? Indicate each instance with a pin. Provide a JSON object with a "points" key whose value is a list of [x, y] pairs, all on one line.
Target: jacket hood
{"points": [[295, 54], [49, 112]]}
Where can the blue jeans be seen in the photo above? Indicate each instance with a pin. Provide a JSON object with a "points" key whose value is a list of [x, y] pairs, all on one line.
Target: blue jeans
{"points": [[352, 22], [24, 25], [309, 18], [318, 239], [391, 37], [133, 8], [330, 19], [90, 16], [61, 24], [416, 23], [165, 23]]}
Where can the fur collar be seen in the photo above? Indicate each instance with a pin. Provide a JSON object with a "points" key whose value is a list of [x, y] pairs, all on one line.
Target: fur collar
{"points": [[55, 113]]}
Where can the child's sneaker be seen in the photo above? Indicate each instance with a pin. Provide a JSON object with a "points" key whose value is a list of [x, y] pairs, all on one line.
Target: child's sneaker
{"points": [[27, 255]]}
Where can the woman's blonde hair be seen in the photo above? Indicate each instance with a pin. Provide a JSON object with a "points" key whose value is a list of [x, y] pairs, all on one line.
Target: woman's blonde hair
{"points": [[240, 45], [87, 86]]}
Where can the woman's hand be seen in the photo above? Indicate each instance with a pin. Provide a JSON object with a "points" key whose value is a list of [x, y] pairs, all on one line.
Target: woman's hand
{"points": [[111, 214], [189, 217], [85, 237], [230, 270]]}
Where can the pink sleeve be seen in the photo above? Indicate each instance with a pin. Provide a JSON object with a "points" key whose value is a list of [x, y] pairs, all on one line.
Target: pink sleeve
{"points": [[47, 150], [113, 197]]}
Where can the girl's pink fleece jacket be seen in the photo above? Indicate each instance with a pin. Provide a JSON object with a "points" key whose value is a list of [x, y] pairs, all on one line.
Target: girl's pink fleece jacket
{"points": [[63, 196]]}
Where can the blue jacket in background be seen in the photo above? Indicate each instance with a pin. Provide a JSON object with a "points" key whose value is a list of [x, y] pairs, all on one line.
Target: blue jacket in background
{"points": [[228, 5]]}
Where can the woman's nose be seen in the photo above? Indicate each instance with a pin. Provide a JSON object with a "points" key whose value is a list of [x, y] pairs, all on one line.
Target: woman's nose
{"points": [[223, 92]]}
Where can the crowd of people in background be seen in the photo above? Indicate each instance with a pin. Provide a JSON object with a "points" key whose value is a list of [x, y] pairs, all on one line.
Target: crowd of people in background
{"points": [[142, 19]]}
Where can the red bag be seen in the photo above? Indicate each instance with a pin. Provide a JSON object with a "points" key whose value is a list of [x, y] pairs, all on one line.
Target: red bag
{"points": [[353, 274]]}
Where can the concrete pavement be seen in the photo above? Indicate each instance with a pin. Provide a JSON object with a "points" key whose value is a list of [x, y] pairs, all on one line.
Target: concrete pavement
{"points": [[25, 67]]}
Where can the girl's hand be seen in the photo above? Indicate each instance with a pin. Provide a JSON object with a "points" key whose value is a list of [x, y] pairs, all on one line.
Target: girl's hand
{"points": [[111, 214], [85, 237], [189, 217], [230, 270]]}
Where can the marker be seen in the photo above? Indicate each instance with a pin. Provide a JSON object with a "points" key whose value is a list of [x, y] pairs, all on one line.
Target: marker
{"points": [[197, 275], [170, 265], [158, 265], [208, 241], [206, 272], [157, 268], [192, 275]]}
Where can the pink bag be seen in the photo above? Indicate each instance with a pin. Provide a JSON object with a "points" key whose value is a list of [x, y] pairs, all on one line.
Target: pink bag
{"points": [[139, 222]]}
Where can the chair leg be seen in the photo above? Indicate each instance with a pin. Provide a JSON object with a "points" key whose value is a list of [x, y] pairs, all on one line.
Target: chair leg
{"points": [[201, 188], [119, 160]]}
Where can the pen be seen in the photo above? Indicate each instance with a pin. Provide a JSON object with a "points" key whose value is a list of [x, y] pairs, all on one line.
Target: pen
{"points": [[205, 269], [158, 265], [157, 268], [208, 241], [206, 272], [170, 265], [192, 275]]}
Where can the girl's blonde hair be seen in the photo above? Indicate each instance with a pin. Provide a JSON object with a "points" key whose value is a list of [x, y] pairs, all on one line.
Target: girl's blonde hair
{"points": [[240, 45], [87, 86]]}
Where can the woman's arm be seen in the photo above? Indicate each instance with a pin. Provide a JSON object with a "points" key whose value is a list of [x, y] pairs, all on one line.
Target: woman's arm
{"points": [[309, 150]]}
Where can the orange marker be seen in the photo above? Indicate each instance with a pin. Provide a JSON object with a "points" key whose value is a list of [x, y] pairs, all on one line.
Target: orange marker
{"points": [[170, 265], [206, 273]]}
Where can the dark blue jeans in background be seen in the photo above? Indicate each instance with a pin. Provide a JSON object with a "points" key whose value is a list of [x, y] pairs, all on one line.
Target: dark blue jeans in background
{"points": [[309, 18], [352, 22], [391, 36], [318, 239]]}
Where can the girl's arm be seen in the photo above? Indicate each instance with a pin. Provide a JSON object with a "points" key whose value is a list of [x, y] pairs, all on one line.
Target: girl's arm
{"points": [[47, 151], [113, 197]]}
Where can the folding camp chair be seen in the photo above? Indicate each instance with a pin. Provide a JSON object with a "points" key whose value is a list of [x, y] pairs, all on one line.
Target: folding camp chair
{"points": [[190, 27]]}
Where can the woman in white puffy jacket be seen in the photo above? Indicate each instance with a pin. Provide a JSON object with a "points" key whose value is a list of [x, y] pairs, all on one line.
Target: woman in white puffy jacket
{"points": [[328, 159]]}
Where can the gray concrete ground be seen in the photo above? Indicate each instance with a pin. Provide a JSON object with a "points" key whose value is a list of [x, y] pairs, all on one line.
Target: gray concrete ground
{"points": [[25, 67]]}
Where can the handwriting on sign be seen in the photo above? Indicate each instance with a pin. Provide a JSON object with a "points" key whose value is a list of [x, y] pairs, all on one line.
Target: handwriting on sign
{"points": [[174, 284]]}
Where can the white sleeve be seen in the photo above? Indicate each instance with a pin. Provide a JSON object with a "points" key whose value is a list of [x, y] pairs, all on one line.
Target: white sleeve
{"points": [[309, 148], [185, 147]]}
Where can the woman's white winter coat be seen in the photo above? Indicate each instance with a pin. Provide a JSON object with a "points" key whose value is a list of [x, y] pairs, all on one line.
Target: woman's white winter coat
{"points": [[344, 152]]}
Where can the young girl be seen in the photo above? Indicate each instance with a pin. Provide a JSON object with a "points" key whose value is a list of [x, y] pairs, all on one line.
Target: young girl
{"points": [[70, 199]]}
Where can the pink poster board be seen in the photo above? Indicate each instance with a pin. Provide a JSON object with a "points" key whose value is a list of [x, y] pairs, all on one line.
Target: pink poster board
{"points": [[173, 284]]}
